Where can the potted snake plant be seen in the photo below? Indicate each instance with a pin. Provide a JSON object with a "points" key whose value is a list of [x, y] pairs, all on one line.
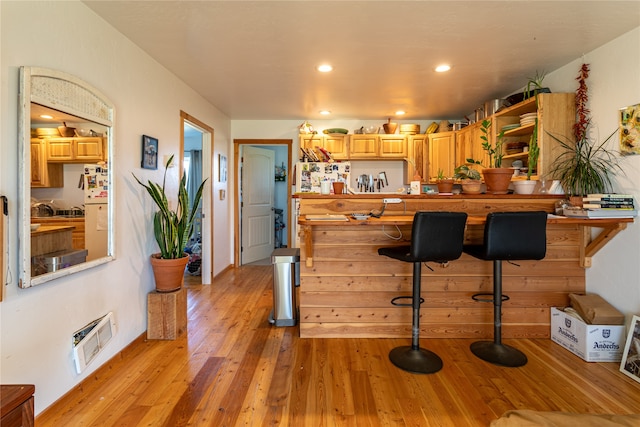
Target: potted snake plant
{"points": [[172, 229]]}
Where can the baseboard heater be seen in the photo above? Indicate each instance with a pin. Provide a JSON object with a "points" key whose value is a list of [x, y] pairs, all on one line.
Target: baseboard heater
{"points": [[91, 339]]}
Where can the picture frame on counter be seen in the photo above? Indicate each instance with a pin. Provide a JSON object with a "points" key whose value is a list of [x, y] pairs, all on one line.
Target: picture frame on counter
{"points": [[149, 152], [630, 364]]}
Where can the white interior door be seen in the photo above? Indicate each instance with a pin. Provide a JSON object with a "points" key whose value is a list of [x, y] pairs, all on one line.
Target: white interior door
{"points": [[257, 226]]}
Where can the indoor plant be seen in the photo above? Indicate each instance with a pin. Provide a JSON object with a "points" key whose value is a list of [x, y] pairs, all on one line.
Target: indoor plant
{"points": [[534, 85], [470, 179], [584, 166], [496, 177], [445, 184], [172, 230]]}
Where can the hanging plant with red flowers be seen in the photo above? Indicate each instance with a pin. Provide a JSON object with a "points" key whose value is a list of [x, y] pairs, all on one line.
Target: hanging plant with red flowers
{"points": [[582, 97]]}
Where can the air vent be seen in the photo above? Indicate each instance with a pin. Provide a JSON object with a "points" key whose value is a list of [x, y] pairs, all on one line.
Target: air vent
{"points": [[91, 339]]}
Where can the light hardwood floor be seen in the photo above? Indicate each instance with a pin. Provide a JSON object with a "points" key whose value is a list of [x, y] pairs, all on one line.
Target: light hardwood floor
{"points": [[233, 368]]}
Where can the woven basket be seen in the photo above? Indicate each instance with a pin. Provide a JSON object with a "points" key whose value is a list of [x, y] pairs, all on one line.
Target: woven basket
{"points": [[409, 129]]}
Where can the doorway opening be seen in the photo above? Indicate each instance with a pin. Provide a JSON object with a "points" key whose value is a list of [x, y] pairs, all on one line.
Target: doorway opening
{"points": [[256, 215], [196, 148]]}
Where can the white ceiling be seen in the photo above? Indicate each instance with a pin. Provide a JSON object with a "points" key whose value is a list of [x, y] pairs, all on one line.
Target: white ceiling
{"points": [[256, 59]]}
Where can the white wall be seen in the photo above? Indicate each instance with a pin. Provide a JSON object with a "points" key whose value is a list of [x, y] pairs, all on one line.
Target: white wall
{"points": [[613, 84], [37, 323]]}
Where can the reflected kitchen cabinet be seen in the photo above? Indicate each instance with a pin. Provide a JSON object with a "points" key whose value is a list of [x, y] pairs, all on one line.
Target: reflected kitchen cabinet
{"points": [[44, 174], [75, 150]]}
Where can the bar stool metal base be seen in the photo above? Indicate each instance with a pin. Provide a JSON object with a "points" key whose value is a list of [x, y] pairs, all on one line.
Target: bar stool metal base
{"points": [[499, 354], [416, 360]]}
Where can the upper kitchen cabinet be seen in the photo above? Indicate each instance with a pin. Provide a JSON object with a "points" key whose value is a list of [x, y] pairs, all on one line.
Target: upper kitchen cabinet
{"points": [[334, 144], [374, 146], [556, 116], [469, 146], [76, 150], [43, 174], [442, 148], [393, 146]]}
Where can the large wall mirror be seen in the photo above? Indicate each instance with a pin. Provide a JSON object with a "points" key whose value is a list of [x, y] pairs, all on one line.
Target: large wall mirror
{"points": [[66, 188]]}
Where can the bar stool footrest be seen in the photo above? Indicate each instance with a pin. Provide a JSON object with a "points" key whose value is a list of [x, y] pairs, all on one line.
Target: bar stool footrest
{"points": [[416, 360], [480, 297], [393, 301], [499, 354]]}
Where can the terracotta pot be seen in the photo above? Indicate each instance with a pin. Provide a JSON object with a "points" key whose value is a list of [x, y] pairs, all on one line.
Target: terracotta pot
{"points": [[338, 187], [497, 180], [168, 273], [471, 186], [524, 187], [445, 185]]}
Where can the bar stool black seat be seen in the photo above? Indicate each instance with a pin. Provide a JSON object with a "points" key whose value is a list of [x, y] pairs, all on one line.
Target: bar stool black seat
{"points": [[438, 237], [508, 236]]}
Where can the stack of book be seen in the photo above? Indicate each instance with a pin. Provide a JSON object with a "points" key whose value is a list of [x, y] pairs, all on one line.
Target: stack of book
{"points": [[605, 206]]}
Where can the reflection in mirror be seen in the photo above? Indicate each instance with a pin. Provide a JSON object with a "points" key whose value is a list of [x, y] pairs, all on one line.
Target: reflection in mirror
{"points": [[67, 223]]}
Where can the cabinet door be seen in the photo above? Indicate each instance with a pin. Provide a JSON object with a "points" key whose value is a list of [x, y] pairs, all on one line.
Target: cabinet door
{"points": [[38, 164], [393, 146], [311, 141], [60, 150], [418, 158], [44, 174], [363, 147], [88, 150], [441, 154], [337, 146]]}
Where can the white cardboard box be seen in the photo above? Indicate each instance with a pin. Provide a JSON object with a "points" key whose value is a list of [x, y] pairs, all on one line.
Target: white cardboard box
{"points": [[593, 343]]}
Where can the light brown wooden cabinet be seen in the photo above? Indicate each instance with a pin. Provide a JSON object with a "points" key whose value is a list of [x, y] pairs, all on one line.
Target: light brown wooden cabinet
{"points": [[75, 150], [556, 116], [78, 233], [43, 174], [442, 156], [337, 145], [363, 146], [374, 146], [418, 157]]}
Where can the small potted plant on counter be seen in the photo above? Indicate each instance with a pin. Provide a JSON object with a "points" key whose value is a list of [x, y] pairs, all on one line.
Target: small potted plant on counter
{"points": [[172, 230], [445, 184], [470, 179], [496, 177]]}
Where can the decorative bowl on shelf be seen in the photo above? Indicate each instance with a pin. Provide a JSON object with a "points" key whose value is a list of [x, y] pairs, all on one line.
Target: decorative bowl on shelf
{"points": [[34, 227]]}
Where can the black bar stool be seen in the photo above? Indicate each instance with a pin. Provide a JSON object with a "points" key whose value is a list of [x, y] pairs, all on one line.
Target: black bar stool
{"points": [[507, 236], [438, 237]]}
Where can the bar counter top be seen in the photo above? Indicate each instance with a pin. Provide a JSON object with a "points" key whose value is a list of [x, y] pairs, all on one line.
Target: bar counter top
{"points": [[346, 287]]}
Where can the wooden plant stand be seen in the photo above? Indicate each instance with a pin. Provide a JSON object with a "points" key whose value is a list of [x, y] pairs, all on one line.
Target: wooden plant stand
{"points": [[166, 314]]}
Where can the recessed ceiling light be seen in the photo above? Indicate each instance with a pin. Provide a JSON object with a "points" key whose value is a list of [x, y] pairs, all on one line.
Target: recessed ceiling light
{"points": [[443, 68], [46, 116], [325, 112], [400, 113], [324, 68]]}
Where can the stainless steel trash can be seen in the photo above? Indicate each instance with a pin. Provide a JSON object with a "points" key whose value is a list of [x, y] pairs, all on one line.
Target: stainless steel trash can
{"points": [[286, 276]]}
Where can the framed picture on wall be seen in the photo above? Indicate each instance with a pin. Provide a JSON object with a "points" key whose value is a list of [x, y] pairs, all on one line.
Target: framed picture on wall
{"points": [[630, 364], [222, 160], [149, 152]]}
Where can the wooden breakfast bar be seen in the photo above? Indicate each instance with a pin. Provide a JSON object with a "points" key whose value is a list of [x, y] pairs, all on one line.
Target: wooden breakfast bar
{"points": [[346, 287]]}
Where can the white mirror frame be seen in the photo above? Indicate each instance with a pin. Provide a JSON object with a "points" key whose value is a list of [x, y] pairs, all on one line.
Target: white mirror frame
{"points": [[67, 93]]}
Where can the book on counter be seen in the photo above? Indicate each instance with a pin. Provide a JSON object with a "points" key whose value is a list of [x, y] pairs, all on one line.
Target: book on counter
{"points": [[608, 198], [608, 202], [599, 213]]}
